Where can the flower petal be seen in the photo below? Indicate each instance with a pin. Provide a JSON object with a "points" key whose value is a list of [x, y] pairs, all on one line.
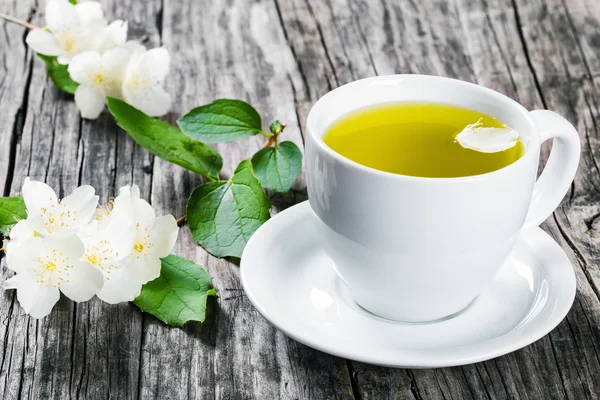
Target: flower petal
{"points": [[120, 286], [12, 282], [83, 66], [487, 139], [128, 204], [89, 102], [37, 299], [154, 101], [134, 47], [89, 11], [114, 35], [163, 236], [153, 65], [85, 281], [65, 59], [114, 61], [144, 268], [36, 194], [38, 198], [116, 234], [70, 245], [43, 42], [19, 234], [24, 258], [21, 231], [84, 201], [61, 16]]}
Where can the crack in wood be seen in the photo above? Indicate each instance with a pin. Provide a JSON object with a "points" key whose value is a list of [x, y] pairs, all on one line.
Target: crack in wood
{"points": [[519, 27], [556, 363], [293, 51], [16, 132], [414, 388], [296, 105], [497, 43], [353, 381], [578, 255], [324, 46]]}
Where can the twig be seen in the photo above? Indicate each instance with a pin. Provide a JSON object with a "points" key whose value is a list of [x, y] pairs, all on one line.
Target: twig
{"points": [[181, 221], [269, 142], [17, 21]]}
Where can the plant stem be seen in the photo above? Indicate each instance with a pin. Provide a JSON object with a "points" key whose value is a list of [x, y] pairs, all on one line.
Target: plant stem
{"points": [[17, 21], [265, 134], [269, 142], [181, 221]]}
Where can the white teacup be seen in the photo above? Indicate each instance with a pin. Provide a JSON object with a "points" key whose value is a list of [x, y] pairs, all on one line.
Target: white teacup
{"points": [[421, 249]]}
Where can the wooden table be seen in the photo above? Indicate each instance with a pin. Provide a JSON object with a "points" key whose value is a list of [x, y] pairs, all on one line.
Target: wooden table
{"points": [[281, 56]]}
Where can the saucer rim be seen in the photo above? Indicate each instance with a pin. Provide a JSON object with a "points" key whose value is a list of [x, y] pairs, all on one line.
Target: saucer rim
{"points": [[505, 343]]}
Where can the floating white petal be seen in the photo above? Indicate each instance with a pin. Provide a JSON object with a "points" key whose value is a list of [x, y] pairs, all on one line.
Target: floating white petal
{"points": [[487, 139]]}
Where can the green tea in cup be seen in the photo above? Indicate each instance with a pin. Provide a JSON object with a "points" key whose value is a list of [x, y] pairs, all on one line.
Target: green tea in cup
{"points": [[418, 139]]}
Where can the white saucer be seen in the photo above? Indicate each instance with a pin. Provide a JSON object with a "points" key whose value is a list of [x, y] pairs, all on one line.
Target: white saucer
{"points": [[291, 282]]}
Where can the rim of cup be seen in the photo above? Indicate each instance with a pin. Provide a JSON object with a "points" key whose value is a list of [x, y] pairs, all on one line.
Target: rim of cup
{"points": [[533, 142]]}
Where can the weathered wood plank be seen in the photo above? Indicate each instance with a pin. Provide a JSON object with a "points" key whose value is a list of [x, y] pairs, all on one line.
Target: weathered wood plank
{"points": [[91, 349], [14, 85], [566, 67], [38, 361], [481, 43], [107, 342], [282, 56], [230, 50]]}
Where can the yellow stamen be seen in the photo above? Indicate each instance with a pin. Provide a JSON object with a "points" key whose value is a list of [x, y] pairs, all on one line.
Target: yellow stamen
{"points": [[93, 259], [49, 266], [138, 246], [69, 43]]}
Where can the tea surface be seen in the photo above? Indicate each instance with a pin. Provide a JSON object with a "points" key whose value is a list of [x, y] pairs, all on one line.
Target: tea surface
{"points": [[416, 139]]}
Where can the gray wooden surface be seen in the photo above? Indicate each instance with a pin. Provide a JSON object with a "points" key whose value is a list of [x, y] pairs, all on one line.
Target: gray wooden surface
{"points": [[282, 55]]}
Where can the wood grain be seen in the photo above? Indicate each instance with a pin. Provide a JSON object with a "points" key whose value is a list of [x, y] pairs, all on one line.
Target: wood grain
{"points": [[281, 56]]}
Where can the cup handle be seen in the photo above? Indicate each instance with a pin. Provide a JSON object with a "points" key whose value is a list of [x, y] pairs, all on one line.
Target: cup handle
{"points": [[555, 180]]}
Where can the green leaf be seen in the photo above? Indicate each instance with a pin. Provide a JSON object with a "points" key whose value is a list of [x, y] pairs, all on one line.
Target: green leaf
{"points": [[73, 1], [278, 167], [179, 294], [165, 141], [59, 74], [12, 209], [223, 120], [223, 215]]}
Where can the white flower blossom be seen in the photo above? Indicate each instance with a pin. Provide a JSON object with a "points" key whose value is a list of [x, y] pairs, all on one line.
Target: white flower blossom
{"points": [[154, 236], [487, 139], [46, 214], [98, 76], [107, 244], [112, 36], [144, 77], [74, 247], [45, 266], [71, 29]]}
